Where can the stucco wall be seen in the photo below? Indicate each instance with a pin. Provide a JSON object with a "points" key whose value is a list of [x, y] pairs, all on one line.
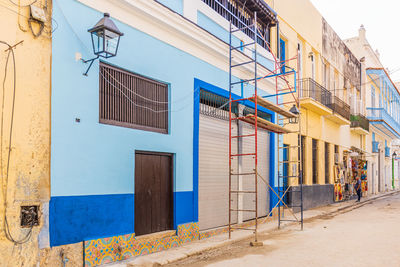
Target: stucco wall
{"points": [[28, 179], [92, 161], [339, 55]]}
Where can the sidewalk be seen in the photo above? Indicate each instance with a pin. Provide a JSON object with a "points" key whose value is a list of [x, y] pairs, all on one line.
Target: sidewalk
{"points": [[196, 247]]}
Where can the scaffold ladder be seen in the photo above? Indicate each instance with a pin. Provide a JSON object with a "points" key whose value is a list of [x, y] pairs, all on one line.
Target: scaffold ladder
{"points": [[257, 122], [232, 117]]}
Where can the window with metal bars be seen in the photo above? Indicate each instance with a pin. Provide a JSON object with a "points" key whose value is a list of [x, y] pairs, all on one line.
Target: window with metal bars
{"points": [[314, 161], [327, 152], [215, 106], [241, 17], [130, 100]]}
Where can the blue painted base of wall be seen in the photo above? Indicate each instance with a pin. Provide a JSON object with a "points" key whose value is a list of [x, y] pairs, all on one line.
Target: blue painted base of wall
{"points": [[184, 209], [78, 218]]}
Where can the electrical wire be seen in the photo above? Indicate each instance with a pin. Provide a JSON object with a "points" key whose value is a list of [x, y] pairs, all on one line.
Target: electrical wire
{"points": [[70, 26], [4, 180], [356, 85], [332, 89], [159, 102], [366, 83], [19, 5], [145, 98], [148, 108], [341, 74], [19, 14]]}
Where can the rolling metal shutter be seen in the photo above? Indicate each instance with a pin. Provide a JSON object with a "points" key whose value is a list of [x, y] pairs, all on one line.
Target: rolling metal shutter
{"points": [[214, 172], [263, 170]]}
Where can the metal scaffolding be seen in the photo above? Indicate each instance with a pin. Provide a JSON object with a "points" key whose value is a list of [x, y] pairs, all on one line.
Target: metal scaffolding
{"points": [[288, 178]]}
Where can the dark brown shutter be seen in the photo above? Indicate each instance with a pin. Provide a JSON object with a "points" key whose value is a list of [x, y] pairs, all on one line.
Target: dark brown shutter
{"points": [[130, 100]]}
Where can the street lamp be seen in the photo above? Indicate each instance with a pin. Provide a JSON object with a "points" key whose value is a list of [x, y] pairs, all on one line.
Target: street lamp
{"points": [[296, 112], [105, 39]]}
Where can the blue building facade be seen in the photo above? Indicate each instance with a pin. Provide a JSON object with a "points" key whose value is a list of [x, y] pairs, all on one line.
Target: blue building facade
{"points": [[92, 163], [385, 103]]}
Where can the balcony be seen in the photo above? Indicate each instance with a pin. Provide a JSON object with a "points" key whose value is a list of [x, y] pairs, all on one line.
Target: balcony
{"points": [[341, 111], [315, 97], [387, 152], [359, 124], [379, 118], [375, 147]]}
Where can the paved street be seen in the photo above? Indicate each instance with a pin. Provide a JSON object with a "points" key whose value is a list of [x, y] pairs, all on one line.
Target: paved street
{"points": [[366, 236]]}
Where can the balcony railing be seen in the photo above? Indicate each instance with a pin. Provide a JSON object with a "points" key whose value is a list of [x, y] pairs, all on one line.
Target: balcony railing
{"points": [[242, 17], [387, 152], [358, 120], [310, 88], [340, 107], [380, 114]]}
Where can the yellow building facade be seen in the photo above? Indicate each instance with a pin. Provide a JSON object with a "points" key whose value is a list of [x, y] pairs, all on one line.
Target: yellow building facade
{"points": [[331, 96], [25, 56]]}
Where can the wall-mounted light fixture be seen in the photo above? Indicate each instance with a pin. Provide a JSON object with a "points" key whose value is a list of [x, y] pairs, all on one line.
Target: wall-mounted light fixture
{"points": [[296, 112], [105, 40]]}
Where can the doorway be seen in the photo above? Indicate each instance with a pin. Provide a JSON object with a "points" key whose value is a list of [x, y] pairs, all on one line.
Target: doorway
{"points": [[373, 177], [379, 172], [153, 192]]}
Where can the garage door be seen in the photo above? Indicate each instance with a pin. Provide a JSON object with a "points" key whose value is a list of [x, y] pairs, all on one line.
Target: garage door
{"points": [[214, 172], [263, 170]]}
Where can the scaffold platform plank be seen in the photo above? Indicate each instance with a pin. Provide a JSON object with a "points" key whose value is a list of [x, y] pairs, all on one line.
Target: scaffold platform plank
{"points": [[273, 107], [267, 125]]}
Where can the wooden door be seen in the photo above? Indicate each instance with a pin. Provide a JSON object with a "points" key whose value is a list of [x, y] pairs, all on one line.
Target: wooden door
{"points": [[153, 193]]}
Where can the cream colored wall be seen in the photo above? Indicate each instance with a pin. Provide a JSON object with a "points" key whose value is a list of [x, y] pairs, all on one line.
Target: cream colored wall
{"points": [[295, 26], [324, 130], [304, 22], [29, 174], [306, 27]]}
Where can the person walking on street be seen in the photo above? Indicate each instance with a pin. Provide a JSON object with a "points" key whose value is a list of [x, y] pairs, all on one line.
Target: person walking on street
{"points": [[357, 187]]}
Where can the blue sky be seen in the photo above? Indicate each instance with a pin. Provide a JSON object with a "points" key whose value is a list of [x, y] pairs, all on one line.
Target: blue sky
{"points": [[380, 18]]}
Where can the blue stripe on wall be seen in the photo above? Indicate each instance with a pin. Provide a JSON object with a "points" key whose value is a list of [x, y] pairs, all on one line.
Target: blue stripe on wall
{"points": [[78, 218], [196, 117], [184, 210]]}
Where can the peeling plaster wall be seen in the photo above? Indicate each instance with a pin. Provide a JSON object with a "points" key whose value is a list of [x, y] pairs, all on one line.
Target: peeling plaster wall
{"points": [[339, 55], [71, 254], [29, 172]]}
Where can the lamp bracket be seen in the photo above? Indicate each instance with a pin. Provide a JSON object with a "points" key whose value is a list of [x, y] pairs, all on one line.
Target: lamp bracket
{"points": [[90, 65]]}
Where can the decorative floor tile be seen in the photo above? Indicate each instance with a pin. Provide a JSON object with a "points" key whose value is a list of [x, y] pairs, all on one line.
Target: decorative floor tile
{"points": [[116, 248]]}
